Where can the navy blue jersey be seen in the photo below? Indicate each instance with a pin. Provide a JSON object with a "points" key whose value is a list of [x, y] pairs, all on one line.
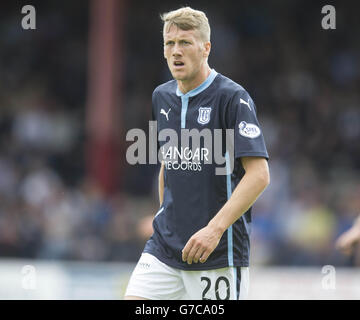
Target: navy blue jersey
{"points": [[193, 192]]}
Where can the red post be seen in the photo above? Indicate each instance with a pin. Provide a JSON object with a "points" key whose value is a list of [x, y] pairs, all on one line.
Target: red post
{"points": [[103, 108]]}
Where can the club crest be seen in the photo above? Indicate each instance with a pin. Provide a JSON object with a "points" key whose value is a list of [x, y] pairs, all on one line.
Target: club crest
{"points": [[204, 115]]}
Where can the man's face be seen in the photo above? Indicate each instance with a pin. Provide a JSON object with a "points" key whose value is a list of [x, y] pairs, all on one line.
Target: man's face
{"points": [[185, 52]]}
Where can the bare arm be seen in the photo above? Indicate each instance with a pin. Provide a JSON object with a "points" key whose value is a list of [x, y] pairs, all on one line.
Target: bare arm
{"points": [[253, 183], [161, 184], [348, 239]]}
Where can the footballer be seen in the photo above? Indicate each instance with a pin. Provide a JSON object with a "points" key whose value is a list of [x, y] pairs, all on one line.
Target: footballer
{"points": [[200, 246]]}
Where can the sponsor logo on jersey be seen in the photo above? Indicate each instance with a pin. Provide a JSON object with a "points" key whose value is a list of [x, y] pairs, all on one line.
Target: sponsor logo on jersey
{"points": [[249, 130], [184, 158], [204, 115]]}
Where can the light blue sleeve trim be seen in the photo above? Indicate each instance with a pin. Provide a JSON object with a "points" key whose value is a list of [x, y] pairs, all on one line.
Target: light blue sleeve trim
{"points": [[230, 229]]}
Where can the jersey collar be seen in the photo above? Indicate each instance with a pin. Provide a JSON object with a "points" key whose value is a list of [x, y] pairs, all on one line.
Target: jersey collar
{"points": [[200, 88]]}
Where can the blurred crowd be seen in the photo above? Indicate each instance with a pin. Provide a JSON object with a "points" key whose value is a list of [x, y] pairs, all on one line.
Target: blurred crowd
{"points": [[48, 209], [303, 79]]}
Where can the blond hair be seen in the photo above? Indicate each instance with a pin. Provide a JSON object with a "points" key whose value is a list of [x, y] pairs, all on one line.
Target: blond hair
{"points": [[187, 18]]}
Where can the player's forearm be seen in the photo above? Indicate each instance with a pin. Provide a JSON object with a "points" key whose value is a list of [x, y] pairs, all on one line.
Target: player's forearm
{"points": [[357, 222], [355, 229], [245, 194], [161, 184]]}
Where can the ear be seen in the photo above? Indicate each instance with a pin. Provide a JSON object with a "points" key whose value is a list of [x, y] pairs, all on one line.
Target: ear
{"points": [[207, 48], [164, 52]]}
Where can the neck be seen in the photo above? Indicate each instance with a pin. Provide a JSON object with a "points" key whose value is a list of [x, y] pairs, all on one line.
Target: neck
{"points": [[190, 84]]}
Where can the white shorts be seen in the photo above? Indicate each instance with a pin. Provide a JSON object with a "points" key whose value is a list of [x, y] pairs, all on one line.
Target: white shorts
{"points": [[153, 279]]}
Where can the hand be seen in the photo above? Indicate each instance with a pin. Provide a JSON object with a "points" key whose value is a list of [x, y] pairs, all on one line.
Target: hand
{"points": [[346, 241], [201, 245]]}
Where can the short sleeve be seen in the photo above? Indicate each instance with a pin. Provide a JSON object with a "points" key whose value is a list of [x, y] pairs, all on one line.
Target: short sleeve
{"points": [[154, 117], [248, 135], [153, 106]]}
